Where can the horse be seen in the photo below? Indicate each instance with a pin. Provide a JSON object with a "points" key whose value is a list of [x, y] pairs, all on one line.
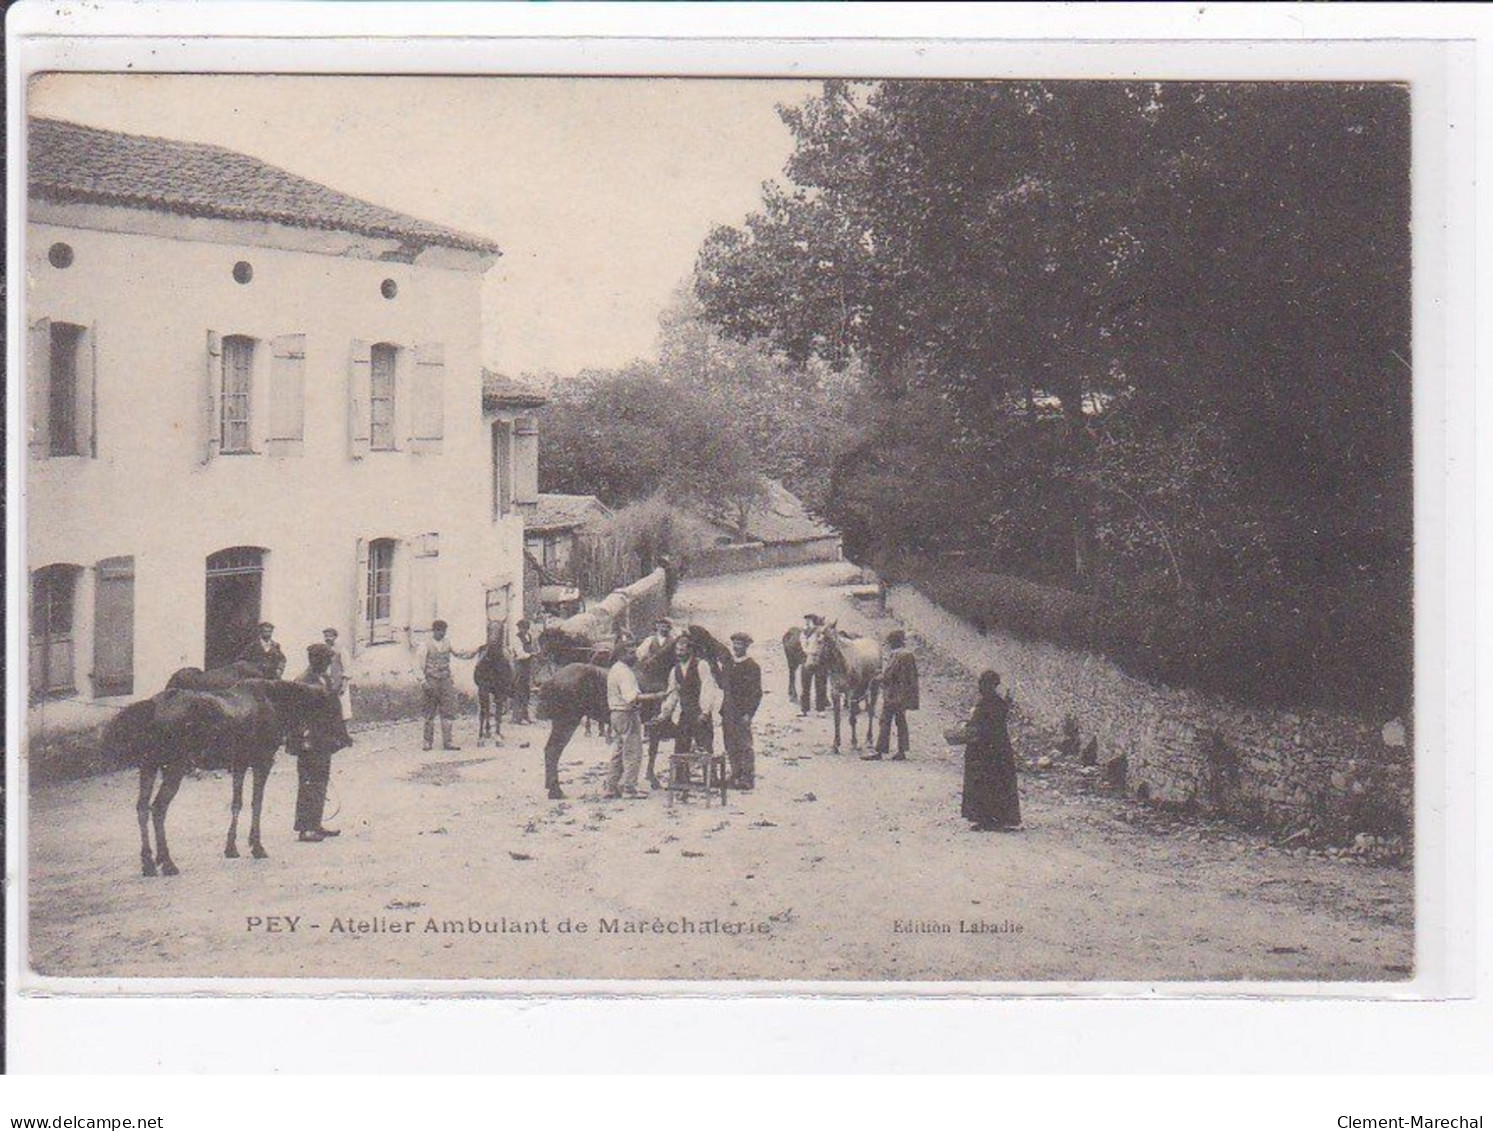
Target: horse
{"points": [[247, 721], [853, 664], [493, 675], [575, 692], [793, 651]]}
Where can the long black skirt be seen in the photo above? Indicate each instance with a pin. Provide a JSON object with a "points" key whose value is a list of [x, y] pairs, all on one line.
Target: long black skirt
{"points": [[991, 795]]}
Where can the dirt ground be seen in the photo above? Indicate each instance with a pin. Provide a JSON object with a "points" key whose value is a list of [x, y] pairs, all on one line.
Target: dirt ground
{"points": [[832, 869]]}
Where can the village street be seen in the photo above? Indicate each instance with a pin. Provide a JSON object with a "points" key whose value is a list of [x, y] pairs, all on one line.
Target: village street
{"points": [[814, 871]]}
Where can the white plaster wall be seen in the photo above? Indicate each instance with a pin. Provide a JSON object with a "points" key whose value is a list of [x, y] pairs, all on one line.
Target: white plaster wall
{"points": [[148, 493]]}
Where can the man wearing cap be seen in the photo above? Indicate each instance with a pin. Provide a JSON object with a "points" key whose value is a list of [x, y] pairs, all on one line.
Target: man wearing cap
{"points": [[818, 675], [899, 694], [264, 653], [315, 748], [523, 672], [623, 698], [741, 690], [433, 666]]}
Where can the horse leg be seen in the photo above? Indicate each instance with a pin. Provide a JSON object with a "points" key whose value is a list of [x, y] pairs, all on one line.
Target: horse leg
{"points": [[171, 775], [792, 683], [560, 731], [262, 769], [855, 714], [142, 811], [481, 715], [231, 849], [835, 702]]}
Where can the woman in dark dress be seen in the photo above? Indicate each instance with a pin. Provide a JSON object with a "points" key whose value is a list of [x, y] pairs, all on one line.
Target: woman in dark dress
{"points": [[991, 798]]}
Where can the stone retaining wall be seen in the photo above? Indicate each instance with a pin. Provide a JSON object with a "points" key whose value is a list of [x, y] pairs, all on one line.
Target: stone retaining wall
{"points": [[1334, 774], [742, 557]]}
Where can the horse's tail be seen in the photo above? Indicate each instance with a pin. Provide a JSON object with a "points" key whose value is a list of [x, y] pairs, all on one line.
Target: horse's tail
{"points": [[126, 737]]}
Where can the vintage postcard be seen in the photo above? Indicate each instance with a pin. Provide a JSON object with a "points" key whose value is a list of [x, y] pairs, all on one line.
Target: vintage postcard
{"points": [[531, 531]]}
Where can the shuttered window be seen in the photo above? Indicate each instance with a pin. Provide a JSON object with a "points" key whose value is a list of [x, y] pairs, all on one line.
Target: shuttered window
{"points": [[237, 394], [114, 627], [383, 371], [61, 385], [379, 602], [54, 592]]}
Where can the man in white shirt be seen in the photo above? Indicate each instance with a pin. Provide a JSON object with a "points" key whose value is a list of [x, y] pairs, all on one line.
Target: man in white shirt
{"points": [[623, 697], [433, 666]]}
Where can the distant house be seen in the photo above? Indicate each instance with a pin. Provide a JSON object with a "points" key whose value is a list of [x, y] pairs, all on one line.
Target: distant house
{"points": [[550, 532], [779, 531]]}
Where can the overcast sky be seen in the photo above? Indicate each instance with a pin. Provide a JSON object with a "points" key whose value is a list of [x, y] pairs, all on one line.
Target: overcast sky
{"points": [[598, 190]]}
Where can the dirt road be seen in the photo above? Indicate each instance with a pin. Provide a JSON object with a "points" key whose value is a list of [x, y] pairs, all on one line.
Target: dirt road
{"points": [[833, 869]]}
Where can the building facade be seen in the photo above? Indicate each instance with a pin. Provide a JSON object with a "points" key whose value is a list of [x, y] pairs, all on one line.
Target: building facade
{"points": [[250, 398]]}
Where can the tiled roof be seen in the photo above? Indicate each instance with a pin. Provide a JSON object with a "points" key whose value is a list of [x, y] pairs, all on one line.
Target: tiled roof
{"points": [[502, 391], [73, 163], [561, 512]]}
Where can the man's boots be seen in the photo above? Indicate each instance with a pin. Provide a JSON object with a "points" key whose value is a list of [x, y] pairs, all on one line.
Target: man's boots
{"points": [[446, 743]]}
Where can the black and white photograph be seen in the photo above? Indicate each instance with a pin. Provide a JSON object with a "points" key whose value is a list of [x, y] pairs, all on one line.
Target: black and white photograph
{"points": [[942, 532]]}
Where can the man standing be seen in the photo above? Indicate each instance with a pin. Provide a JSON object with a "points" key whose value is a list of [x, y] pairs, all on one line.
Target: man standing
{"points": [[691, 699], [662, 638], [523, 672], [337, 674], [741, 694], [317, 745], [264, 653], [433, 666], [899, 694], [623, 697], [817, 675]]}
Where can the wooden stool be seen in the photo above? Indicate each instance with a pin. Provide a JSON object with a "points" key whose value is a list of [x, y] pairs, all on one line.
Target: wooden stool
{"points": [[699, 770]]}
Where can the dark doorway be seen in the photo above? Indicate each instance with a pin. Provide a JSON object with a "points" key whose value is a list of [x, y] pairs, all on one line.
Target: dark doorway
{"points": [[235, 585]]}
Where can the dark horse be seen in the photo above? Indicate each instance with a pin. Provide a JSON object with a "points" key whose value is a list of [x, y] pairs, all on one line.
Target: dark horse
{"points": [[793, 651], [575, 692], [494, 678], [245, 722]]}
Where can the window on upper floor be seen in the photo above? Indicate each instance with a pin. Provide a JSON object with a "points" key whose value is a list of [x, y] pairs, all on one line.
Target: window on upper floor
{"points": [[383, 382], [236, 395], [61, 389]]}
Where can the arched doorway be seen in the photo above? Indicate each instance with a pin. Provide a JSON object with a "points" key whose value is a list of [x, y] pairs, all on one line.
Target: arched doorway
{"points": [[235, 589]]}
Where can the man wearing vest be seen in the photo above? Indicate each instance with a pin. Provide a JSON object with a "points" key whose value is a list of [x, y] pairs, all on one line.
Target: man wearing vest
{"points": [[691, 700], [523, 672], [433, 666]]}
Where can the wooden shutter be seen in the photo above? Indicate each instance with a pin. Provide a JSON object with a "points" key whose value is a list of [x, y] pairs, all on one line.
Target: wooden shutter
{"points": [[359, 393], [39, 386], [287, 395], [88, 394], [424, 593], [526, 460], [212, 420], [361, 618], [428, 418], [114, 627]]}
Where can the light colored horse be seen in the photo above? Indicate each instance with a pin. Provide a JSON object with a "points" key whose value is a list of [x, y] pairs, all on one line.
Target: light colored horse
{"points": [[853, 663]]}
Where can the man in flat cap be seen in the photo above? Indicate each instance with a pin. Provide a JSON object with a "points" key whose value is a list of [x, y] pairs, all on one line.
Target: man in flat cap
{"points": [[741, 687], [433, 666], [661, 640], [264, 653], [314, 750]]}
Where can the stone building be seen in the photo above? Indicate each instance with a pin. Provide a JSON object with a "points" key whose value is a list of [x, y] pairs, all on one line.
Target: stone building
{"points": [[251, 397]]}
